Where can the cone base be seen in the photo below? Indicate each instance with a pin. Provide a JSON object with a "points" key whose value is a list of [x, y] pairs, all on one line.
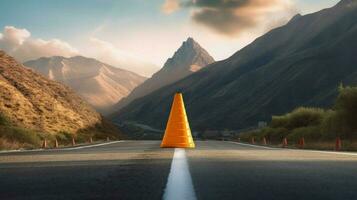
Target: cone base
{"points": [[191, 146]]}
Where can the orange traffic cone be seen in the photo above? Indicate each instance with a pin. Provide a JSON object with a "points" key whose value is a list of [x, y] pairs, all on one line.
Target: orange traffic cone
{"points": [[302, 143], [178, 132], [338, 144], [44, 144], [56, 143]]}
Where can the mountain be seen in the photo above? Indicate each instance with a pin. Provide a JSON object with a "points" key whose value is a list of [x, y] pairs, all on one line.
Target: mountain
{"points": [[101, 85], [299, 64], [34, 102], [188, 59]]}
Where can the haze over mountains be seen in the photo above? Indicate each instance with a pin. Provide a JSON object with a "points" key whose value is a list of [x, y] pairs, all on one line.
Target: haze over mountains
{"points": [[100, 84], [299, 64], [188, 59], [30, 100]]}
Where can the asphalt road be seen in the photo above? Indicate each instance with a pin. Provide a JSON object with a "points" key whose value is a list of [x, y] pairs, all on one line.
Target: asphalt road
{"points": [[141, 170]]}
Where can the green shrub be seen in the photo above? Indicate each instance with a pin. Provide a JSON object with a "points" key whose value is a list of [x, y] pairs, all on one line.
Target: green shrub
{"points": [[332, 126], [314, 124], [83, 137], [346, 112], [246, 136], [21, 135], [64, 137], [300, 117], [311, 133], [4, 120], [275, 134]]}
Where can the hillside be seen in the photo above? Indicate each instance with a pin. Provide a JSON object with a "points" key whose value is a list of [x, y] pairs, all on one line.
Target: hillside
{"points": [[319, 128], [299, 64], [31, 101], [188, 59], [101, 85]]}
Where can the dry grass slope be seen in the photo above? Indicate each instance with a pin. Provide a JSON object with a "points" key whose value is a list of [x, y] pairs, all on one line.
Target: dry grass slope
{"points": [[34, 102]]}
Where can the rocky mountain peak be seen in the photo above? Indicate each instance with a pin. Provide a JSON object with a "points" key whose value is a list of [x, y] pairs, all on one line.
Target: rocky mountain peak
{"points": [[188, 59], [190, 53], [347, 3], [190, 43], [296, 17]]}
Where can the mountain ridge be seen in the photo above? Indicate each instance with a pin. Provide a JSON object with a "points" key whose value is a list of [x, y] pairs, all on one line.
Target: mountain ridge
{"points": [[189, 58], [32, 101], [100, 84], [290, 66]]}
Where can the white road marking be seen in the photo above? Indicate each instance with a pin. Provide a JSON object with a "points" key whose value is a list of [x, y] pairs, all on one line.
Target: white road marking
{"points": [[251, 145], [13, 151], [179, 184], [327, 152], [304, 150], [62, 149], [94, 145]]}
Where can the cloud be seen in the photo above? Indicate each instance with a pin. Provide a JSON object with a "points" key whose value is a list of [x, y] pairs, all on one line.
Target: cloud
{"points": [[233, 17], [19, 44], [170, 6], [108, 53]]}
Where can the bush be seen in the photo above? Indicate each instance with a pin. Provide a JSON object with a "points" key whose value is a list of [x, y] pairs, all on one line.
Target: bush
{"points": [[246, 136], [346, 112], [314, 124], [64, 137], [332, 126], [300, 117], [311, 133], [21, 135], [275, 134], [4, 120]]}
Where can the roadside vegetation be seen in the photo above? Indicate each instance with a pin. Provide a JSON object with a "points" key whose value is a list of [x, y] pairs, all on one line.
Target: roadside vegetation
{"points": [[318, 127], [16, 137], [13, 137]]}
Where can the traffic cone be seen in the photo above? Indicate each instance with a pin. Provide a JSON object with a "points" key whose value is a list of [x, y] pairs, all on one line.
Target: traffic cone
{"points": [[338, 144], [285, 142], [178, 132], [44, 144], [264, 141], [56, 143], [253, 140], [73, 141], [302, 143]]}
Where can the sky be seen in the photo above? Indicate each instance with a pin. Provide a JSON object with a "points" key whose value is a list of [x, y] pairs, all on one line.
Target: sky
{"points": [[139, 35]]}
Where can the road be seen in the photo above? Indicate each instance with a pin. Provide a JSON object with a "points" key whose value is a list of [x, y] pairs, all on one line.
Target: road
{"points": [[141, 170]]}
